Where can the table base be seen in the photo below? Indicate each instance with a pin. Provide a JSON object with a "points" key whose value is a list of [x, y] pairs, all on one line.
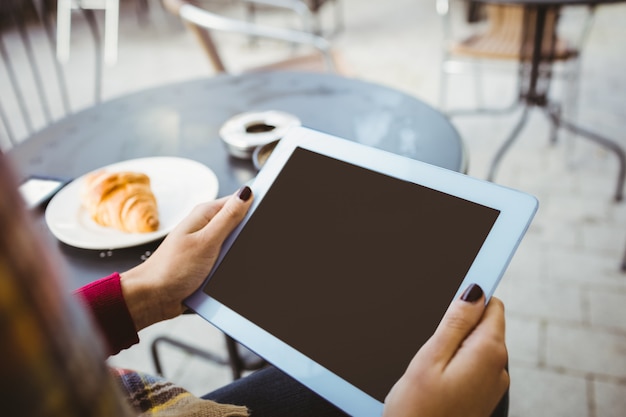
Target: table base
{"points": [[552, 111]]}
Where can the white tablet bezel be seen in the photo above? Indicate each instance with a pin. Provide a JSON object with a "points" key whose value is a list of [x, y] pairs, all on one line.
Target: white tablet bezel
{"points": [[516, 212]]}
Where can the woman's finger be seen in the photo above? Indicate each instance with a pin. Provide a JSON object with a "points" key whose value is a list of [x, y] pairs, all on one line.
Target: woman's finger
{"points": [[459, 321], [230, 215]]}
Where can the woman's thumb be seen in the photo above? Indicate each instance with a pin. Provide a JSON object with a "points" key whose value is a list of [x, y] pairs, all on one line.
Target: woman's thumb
{"points": [[459, 321]]}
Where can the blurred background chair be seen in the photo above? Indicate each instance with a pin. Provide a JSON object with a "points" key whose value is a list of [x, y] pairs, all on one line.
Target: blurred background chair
{"points": [[111, 9], [111, 24], [36, 89], [309, 12], [530, 34], [204, 23], [479, 36], [239, 358]]}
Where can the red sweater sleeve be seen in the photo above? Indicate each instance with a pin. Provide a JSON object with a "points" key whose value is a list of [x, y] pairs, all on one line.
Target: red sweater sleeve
{"points": [[105, 300]]}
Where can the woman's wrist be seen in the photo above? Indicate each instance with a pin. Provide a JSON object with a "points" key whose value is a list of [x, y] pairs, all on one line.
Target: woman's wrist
{"points": [[141, 299], [105, 299]]}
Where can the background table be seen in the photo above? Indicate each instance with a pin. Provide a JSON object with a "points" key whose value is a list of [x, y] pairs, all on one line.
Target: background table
{"points": [[183, 120], [535, 75]]}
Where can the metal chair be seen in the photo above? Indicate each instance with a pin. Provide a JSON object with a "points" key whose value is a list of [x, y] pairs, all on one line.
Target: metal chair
{"points": [[533, 28], [111, 24], [202, 23], [308, 10], [35, 89], [499, 41], [239, 358]]}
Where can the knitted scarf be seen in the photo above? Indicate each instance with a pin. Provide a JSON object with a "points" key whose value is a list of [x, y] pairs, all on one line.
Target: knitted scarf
{"points": [[152, 396]]}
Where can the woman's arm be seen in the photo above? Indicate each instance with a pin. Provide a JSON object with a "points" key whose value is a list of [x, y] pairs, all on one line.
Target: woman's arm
{"points": [[123, 304], [155, 290]]}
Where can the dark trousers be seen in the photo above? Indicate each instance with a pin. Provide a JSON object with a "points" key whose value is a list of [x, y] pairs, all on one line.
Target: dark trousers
{"points": [[271, 393]]}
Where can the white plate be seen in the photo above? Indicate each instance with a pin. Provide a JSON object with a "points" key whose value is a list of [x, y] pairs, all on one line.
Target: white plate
{"points": [[178, 184]]}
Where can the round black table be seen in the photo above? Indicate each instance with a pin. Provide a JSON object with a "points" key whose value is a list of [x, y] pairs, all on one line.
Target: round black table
{"points": [[183, 120]]}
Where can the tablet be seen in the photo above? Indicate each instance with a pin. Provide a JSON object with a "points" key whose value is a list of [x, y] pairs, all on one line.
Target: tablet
{"points": [[348, 259]]}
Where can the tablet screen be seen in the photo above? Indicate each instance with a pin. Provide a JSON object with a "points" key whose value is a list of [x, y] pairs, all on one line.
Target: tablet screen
{"points": [[351, 267]]}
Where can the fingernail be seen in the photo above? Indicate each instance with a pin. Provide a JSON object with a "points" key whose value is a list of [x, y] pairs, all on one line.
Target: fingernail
{"points": [[472, 294], [244, 193]]}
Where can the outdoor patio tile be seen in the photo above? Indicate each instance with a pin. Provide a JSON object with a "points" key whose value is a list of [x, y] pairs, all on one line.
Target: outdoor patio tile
{"points": [[603, 237], [543, 301], [528, 263], [544, 393], [606, 309], [586, 350], [583, 267], [610, 399], [523, 338], [572, 208], [564, 234]]}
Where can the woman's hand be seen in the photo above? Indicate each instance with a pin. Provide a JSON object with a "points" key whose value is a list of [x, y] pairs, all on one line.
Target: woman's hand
{"points": [[460, 370], [155, 290]]}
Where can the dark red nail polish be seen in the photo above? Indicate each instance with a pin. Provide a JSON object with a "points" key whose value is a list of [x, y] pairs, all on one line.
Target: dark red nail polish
{"points": [[244, 193], [472, 294]]}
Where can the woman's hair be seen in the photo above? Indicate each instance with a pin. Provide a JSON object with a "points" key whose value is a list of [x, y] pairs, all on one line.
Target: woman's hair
{"points": [[52, 361]]}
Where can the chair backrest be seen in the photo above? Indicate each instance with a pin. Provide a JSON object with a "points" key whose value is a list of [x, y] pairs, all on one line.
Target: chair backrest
{"points": [[308, 10], [36, 89], [504, 37], [202, 23]]}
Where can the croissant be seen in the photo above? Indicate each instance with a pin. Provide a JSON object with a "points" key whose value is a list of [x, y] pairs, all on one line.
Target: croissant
{"points": [[121, 200]]}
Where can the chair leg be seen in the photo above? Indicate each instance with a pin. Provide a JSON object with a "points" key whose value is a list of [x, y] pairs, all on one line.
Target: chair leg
{"points": [[623, 267], [17, 91], [443, 86], [571, 88], [111, 27], [507, 144], [183, 346], [45, 14], [95, 33], [236, 364], [237, 361], [64, 27], [142, 9], [7, 127], [339, 19], [557, 109], [604, 142], [478, 85]]}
